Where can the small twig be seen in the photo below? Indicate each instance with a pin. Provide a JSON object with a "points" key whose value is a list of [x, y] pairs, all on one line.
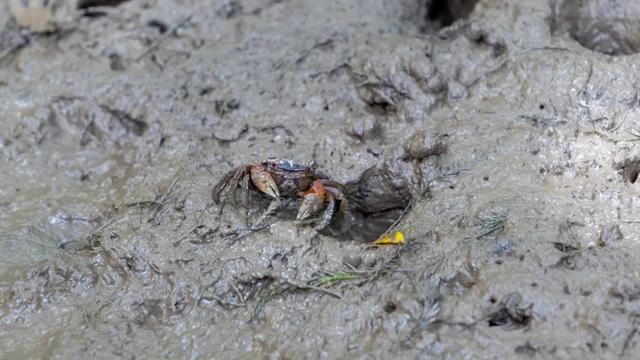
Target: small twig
{"points": [[326, 291], [5, 54], [221, 302], [103, 226], [583, 91], [238, 294], [455, 172], [160, 40], [163, 199], [243, 233], [259, 224], [327, 278], [627, 341], [143, 204], [399, 219]]}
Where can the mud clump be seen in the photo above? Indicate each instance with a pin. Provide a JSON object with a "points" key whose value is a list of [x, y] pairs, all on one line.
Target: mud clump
{"points": [[364, 128], [410, 86], [375, 192], [511, 313], [606, 26], [422, 145], [630, 169], [609, 234], [376, 203]]}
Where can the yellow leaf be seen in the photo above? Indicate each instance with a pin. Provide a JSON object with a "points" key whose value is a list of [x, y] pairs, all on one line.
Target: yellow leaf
{"points": [[396, 239]]}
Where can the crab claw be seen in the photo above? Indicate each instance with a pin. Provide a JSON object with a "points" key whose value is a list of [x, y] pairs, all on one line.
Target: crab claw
{"points": [[312, 200], [263, 181]]}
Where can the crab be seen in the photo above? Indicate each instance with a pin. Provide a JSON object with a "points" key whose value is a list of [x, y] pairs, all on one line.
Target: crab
{"points": [[279, 179]]}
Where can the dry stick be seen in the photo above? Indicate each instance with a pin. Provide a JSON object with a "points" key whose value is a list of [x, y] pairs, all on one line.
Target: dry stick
{"points": [[320, 289], [223, 302], [164, 37], [163, 198], [290, 286], [11, 50], [397, 221], [627, 341]]}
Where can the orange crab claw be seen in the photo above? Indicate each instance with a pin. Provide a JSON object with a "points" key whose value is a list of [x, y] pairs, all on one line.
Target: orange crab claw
{"points": [[312, 200], [263, 181]]}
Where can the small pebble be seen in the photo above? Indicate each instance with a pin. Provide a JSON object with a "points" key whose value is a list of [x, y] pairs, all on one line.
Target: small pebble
{"points": [[353, 261], [457, 90], [362, 128], [608, 234], [422, 145]]}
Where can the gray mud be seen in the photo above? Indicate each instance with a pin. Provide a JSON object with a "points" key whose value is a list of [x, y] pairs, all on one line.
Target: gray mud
{"points": [[522, 236]]}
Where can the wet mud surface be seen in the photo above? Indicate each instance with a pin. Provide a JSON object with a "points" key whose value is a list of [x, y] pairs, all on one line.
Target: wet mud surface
{"points": [[501, 137]]}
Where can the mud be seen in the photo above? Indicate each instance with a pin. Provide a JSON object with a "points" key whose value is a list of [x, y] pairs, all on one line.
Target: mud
{"points": [[503, 137]]}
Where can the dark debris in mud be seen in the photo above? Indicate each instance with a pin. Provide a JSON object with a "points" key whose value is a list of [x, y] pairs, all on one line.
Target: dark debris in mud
{"points": [[132, 124], [525, 349], [571, 262], [511, 313], [443, 13], [630, 169], [86, 4], [11, 42], [564, 247]]}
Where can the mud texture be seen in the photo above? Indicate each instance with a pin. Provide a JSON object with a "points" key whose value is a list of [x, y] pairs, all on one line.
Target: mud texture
{"points": [[503, 135]]}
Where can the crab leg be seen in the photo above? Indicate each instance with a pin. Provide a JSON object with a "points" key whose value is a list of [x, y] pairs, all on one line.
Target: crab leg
{"points": [[333, 185], [344, 204], [273, 207], [244, 185], [217, 190], [312, 200], [328, 213], [346, 214], [228, 183], [260, 223]]}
